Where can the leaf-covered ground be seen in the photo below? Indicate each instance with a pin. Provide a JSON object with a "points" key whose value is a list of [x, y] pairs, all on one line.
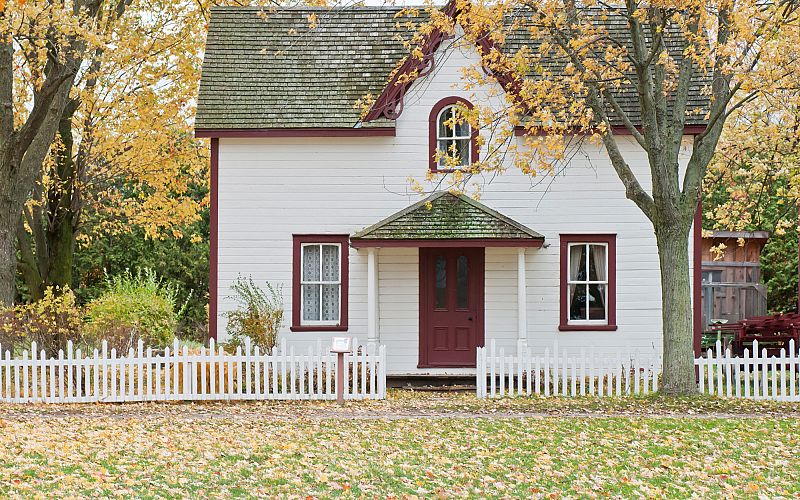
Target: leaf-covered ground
{"points": [[409, 445]]}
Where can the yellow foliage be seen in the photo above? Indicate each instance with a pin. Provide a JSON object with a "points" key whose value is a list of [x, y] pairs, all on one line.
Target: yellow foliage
{"points": [[50, 322]]}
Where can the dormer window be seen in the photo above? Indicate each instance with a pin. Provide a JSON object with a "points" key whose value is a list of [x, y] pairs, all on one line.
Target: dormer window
{"points": [[454, 138], [453, 141]]}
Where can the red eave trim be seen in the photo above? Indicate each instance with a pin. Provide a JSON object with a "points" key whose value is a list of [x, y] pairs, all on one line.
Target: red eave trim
{"points": [[296, 132], [687, 130], [213, 239], [460, 243]]}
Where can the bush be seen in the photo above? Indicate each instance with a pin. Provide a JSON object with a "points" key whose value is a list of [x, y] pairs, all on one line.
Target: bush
{"points": [[51, 323], [259, 315], [140, 306]]}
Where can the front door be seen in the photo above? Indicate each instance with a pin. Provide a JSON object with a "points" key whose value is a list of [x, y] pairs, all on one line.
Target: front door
{"points": [[451, 306]]}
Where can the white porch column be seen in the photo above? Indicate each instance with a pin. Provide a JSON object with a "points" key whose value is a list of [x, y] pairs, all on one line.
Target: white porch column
{"points": [[373, 332], [522, 301]]}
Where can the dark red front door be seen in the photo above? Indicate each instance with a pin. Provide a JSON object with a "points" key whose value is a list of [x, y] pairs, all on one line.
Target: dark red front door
{"points": [[451, 306]]}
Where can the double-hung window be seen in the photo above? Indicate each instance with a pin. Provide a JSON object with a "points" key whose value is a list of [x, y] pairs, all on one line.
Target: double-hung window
{"points": [[320, 283], [588, 270], [453, 138]]}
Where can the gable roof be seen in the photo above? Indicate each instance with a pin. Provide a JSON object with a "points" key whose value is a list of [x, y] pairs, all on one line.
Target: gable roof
{"points": [[268, 70], [446, 216], [256, 75]]}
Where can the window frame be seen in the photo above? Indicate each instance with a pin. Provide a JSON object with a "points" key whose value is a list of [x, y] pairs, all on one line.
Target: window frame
{"points": [[299, 243], [433, 137], [610, 323]]}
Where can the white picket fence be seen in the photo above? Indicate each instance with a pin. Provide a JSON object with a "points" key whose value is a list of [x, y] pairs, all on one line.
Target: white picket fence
{"points": [[752, 375], [558, 373], [183, 375]]}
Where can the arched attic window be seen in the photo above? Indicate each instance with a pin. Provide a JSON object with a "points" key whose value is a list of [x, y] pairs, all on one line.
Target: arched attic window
{"points": [[451, 136]]}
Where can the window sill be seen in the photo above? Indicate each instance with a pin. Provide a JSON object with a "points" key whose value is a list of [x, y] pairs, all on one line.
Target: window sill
{"points": [[450, 170], [318, 328], [587, 328]]}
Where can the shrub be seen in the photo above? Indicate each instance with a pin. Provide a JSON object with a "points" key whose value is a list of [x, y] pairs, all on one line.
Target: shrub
{"points": [[259, 315], [50, 322], [140, 306]]}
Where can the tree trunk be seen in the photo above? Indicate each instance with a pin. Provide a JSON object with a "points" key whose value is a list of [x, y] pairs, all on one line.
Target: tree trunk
{"points": [[61, 216], [676, 309], [47, 255], [8, 246]]}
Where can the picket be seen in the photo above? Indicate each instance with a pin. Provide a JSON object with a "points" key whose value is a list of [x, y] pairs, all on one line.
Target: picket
{"points": [[176, 374], [559, 373]]}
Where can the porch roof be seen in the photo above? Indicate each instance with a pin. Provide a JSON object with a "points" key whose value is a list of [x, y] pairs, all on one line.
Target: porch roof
{"points": [[447, 219]]}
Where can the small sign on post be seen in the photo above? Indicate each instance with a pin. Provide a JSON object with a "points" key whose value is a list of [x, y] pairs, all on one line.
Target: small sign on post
{"points": [[341, 346]]}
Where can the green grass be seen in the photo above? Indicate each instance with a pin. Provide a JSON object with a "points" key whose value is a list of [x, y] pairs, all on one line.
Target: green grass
{"points": [[240, 450]]}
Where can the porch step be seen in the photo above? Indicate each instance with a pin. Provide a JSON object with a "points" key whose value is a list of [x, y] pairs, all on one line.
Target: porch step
{"points": [[432, 383]]}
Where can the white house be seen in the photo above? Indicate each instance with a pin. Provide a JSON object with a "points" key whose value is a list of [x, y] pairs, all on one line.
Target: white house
{"points": [[308, 196]]}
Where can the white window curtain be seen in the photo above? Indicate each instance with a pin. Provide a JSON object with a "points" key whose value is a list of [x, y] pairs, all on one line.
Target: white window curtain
{"points": [[577, 289], [597, 283], [321, 283], [588, 282]]}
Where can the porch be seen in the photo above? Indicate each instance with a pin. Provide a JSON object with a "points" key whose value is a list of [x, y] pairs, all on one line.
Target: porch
{"points": [[439, 277]]}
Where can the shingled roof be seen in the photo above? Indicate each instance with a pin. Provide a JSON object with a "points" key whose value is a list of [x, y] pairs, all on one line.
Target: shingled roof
{"points": [[447, 216], [256, 74], [269, 70]]}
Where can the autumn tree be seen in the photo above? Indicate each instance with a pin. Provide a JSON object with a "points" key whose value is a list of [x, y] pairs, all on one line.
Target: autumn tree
{"points": [[47, 42], [124, 155], [753, 183], [569, 80]]}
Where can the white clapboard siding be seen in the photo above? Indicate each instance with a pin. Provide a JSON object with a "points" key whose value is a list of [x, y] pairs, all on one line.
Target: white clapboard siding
{"points": [[754, 375], [555, 373], [182, 375], [558, 372]]}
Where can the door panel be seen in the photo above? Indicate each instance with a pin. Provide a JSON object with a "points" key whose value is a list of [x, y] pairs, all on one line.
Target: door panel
{"points": [[440, 338], [451, 306], [464, 339]]}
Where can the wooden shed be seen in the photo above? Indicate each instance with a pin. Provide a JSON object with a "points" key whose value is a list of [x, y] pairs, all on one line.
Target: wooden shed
{"points": [[732, 288]]}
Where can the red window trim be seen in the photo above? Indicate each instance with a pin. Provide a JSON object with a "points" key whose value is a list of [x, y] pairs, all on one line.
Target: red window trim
{"points": [[298, 241], [611, 241], [433, 129]]}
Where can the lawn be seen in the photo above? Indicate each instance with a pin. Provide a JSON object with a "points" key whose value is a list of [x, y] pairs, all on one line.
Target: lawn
{"points": [[420, 445]]}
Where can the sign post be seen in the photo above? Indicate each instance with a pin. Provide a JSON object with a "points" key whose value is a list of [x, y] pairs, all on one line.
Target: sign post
{"points": [[341, 346]]}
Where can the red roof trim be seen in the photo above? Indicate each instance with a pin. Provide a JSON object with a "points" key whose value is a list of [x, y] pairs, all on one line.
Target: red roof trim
{"points": [[390, 103], [461, 243], [296, 132]]}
